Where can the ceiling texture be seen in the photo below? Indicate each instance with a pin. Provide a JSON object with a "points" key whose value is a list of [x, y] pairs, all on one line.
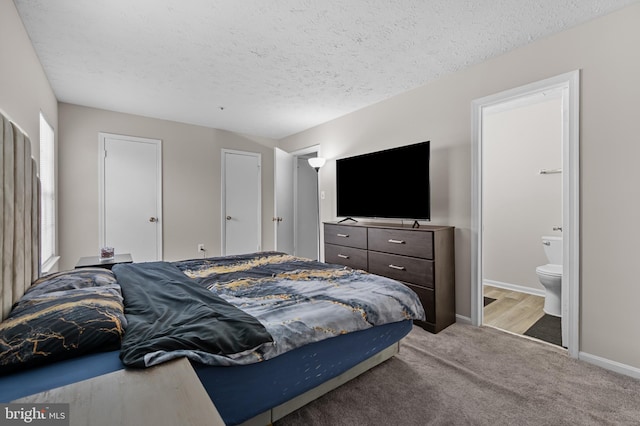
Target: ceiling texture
{"points": [[273, 68]]}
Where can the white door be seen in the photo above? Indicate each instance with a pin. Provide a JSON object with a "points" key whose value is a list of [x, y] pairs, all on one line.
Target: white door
{"points": [[284, 218], [306, 208], [241, 202], [131, 196]]}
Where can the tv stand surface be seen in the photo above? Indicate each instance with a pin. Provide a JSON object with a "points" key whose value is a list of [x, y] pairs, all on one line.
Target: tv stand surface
{"points": [[422, 258]]}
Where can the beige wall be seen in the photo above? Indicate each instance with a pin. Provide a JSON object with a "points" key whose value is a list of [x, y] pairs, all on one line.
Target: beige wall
{"points": [[520, 205], [24, 87], [191, 180], [606, 50]]}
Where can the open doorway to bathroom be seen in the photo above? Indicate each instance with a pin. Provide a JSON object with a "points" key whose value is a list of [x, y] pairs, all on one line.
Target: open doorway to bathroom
{"points": [[525, 196], [522, 203]]}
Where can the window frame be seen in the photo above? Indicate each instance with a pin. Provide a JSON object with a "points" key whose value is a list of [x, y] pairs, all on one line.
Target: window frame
{"points": [[48, 196]]}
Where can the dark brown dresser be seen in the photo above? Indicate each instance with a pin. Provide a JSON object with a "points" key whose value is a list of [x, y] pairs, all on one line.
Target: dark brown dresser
{"points": [[422, 258]]}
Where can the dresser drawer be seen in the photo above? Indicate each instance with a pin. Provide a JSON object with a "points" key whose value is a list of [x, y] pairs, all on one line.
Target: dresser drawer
{"points": [[402, 241], [427, 299], [402, 268], [349, 256], [344, 235]]}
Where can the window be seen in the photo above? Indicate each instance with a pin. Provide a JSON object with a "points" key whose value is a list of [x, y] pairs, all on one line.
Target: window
{"points": [[48, 196]]}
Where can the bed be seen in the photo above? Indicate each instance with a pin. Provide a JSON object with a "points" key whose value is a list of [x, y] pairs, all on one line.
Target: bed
{"points": [[265, 332]]}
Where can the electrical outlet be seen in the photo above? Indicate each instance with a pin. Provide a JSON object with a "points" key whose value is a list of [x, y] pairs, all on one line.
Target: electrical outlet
{"points": [[201, 247]]}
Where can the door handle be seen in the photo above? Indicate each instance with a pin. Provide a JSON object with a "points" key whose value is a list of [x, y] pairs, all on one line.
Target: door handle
{"points": [[228, 217], [153, 219], [276, 219]]}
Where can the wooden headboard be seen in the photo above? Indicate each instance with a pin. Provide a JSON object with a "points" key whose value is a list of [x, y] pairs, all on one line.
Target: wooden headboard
{"points": [[19, 215]]}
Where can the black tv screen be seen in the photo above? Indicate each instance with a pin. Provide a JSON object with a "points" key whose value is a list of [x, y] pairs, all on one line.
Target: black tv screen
{"points": [[393, 183]]}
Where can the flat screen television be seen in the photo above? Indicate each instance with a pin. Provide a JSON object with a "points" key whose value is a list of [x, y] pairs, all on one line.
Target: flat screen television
{"points": [[393, 183]]}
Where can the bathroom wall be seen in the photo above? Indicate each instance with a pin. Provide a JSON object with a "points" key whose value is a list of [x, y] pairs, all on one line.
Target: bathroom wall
{"points": [[520, 204]]}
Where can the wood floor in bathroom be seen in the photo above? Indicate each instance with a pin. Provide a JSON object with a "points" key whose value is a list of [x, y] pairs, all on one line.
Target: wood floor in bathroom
{"points": [[512, 311]]}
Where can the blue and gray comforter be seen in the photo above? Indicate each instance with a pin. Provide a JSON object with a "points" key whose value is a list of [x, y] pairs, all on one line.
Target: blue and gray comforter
{"points": [[288, 302]]}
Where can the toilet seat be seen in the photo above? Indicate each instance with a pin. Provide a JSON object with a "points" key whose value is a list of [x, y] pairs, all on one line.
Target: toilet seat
{"points": [[550, 270]]}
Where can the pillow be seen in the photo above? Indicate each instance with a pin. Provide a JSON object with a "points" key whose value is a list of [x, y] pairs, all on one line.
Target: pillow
{"points": [[62, 316], [84, 278]]}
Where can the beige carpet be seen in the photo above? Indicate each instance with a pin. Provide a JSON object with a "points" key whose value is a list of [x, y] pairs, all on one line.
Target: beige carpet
{"points": [[477, 376]]}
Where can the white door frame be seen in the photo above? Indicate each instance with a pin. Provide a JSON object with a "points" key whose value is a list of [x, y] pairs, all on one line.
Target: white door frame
{"points": [[223, 194], [569, 85], [102, 136]]}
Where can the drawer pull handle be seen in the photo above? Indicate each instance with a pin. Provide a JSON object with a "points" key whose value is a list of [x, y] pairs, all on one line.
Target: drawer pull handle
{"points": [[396, 241], [344, 256], [400, 268], [343, 235]]}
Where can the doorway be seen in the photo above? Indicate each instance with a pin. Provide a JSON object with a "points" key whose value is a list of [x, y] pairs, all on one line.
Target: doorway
{"points": [[566, 86], [522, 193], [296, 217], [241, 202], [130, 193]]}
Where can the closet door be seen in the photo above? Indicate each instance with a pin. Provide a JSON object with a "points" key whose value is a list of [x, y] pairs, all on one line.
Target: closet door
{"points": [[131, 196], [241, 202]]}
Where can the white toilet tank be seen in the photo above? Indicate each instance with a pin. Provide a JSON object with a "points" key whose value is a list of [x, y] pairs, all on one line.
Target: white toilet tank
{"points": [[553, 249]]}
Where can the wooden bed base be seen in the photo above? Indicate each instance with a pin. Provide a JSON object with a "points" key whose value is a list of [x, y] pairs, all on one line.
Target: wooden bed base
{"points": [[278, 412]]}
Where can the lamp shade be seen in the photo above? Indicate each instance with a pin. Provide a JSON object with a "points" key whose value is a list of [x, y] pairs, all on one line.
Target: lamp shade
{"points": [[317, 162]]}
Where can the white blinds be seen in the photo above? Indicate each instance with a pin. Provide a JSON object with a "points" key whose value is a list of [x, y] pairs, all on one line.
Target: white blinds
{"points": [[47, 181]]}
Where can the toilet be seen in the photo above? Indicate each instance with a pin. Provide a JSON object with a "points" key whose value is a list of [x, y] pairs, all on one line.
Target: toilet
{"points": [[550, 275]]}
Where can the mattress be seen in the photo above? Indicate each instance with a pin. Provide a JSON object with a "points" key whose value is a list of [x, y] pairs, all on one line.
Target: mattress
{"points": [[58, 374]]}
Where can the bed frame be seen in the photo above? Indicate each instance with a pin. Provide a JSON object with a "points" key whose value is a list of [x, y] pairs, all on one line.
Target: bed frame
{"points": [[278, 412], [19, 215], [20, 253]]}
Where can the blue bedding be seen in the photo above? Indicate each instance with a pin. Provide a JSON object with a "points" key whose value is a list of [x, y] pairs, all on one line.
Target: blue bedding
{"points": [[300, 301]]}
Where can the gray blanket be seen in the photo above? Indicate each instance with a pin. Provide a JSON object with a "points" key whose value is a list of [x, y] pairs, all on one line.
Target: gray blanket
{"points": [[170, 315]]}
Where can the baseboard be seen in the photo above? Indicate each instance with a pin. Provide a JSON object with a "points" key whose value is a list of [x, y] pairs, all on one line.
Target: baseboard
{"points": [[514, 287], [618, 367], [463, 320]]}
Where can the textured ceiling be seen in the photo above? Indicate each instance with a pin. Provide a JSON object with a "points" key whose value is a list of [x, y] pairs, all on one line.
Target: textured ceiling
{"points": [[277, 67]]}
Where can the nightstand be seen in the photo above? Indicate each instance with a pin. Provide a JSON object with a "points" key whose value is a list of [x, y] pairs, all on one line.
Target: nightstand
{"points": [[96, 262], [167, 394]]}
